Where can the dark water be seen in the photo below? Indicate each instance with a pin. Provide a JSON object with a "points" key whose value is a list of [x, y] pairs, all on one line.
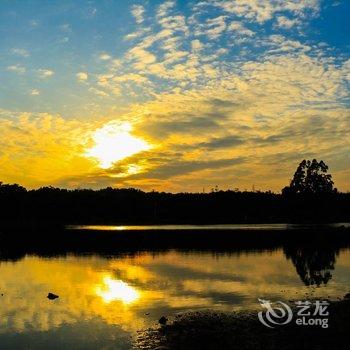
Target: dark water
{"points": [[104, 300]]}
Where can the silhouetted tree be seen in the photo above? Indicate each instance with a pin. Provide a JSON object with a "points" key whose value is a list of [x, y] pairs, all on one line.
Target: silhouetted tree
{"points": [[51, 206], [313, 264], [311, 177], [11, 189]]}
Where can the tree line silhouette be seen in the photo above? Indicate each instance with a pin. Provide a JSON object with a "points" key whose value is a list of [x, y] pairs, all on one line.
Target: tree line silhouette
{"points": [[310, 197]]}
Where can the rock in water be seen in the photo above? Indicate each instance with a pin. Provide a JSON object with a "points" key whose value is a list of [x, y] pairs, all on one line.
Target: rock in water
{"points": [[52, 296], [347, 296], [163, 320]]}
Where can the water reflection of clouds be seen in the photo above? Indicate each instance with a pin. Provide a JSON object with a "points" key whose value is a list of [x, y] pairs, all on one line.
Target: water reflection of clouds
{"points": [[120, 291], [26, 283]]}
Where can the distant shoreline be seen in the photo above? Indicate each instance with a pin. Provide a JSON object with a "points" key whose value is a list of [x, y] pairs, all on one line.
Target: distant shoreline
{"points": [[48, 241], [48, 207], [213, 227]]}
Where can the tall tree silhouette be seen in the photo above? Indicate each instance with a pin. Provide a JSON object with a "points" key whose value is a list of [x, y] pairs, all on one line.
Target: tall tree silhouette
{"points": [[311, 177], [313, 264]]}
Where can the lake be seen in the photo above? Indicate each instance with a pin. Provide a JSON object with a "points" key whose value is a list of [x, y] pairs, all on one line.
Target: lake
{"points": [[226, 227], [104, 299]]}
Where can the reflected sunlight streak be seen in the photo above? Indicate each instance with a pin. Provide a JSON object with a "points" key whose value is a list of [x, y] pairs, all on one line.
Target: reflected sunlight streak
{"points": [[112, 290]]}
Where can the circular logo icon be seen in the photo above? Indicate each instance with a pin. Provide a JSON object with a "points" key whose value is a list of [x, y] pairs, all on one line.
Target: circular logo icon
{"points": [[274, 315]]}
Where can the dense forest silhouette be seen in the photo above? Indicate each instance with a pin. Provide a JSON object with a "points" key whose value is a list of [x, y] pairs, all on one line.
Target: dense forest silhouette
{"points": [[309, 198], [33, 221]]}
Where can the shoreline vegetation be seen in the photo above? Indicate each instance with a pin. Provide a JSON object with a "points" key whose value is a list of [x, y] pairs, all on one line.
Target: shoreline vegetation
{"points": [[49, 207], [310, 198], [207, 330]]}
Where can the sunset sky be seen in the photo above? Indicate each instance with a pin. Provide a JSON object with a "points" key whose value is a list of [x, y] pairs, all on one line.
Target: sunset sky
{"points": [[173, 95]]}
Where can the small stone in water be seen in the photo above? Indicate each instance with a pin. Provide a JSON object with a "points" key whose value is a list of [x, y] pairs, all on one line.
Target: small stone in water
{"points": [[52, 296]]}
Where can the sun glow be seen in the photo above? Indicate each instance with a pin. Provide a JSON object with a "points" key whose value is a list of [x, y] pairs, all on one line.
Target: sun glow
{"points": [[112, 290], [114, 142]]}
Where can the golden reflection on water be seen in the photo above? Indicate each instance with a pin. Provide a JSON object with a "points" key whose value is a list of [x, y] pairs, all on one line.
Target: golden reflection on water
{"points": [[111, 290], [132, 292]]}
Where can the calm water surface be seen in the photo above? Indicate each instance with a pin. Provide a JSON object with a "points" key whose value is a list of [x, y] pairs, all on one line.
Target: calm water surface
{"points": [[233, 227], [104, 301]]}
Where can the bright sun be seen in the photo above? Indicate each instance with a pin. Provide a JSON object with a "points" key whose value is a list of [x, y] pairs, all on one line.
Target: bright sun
{"points": [[114, 142]]}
